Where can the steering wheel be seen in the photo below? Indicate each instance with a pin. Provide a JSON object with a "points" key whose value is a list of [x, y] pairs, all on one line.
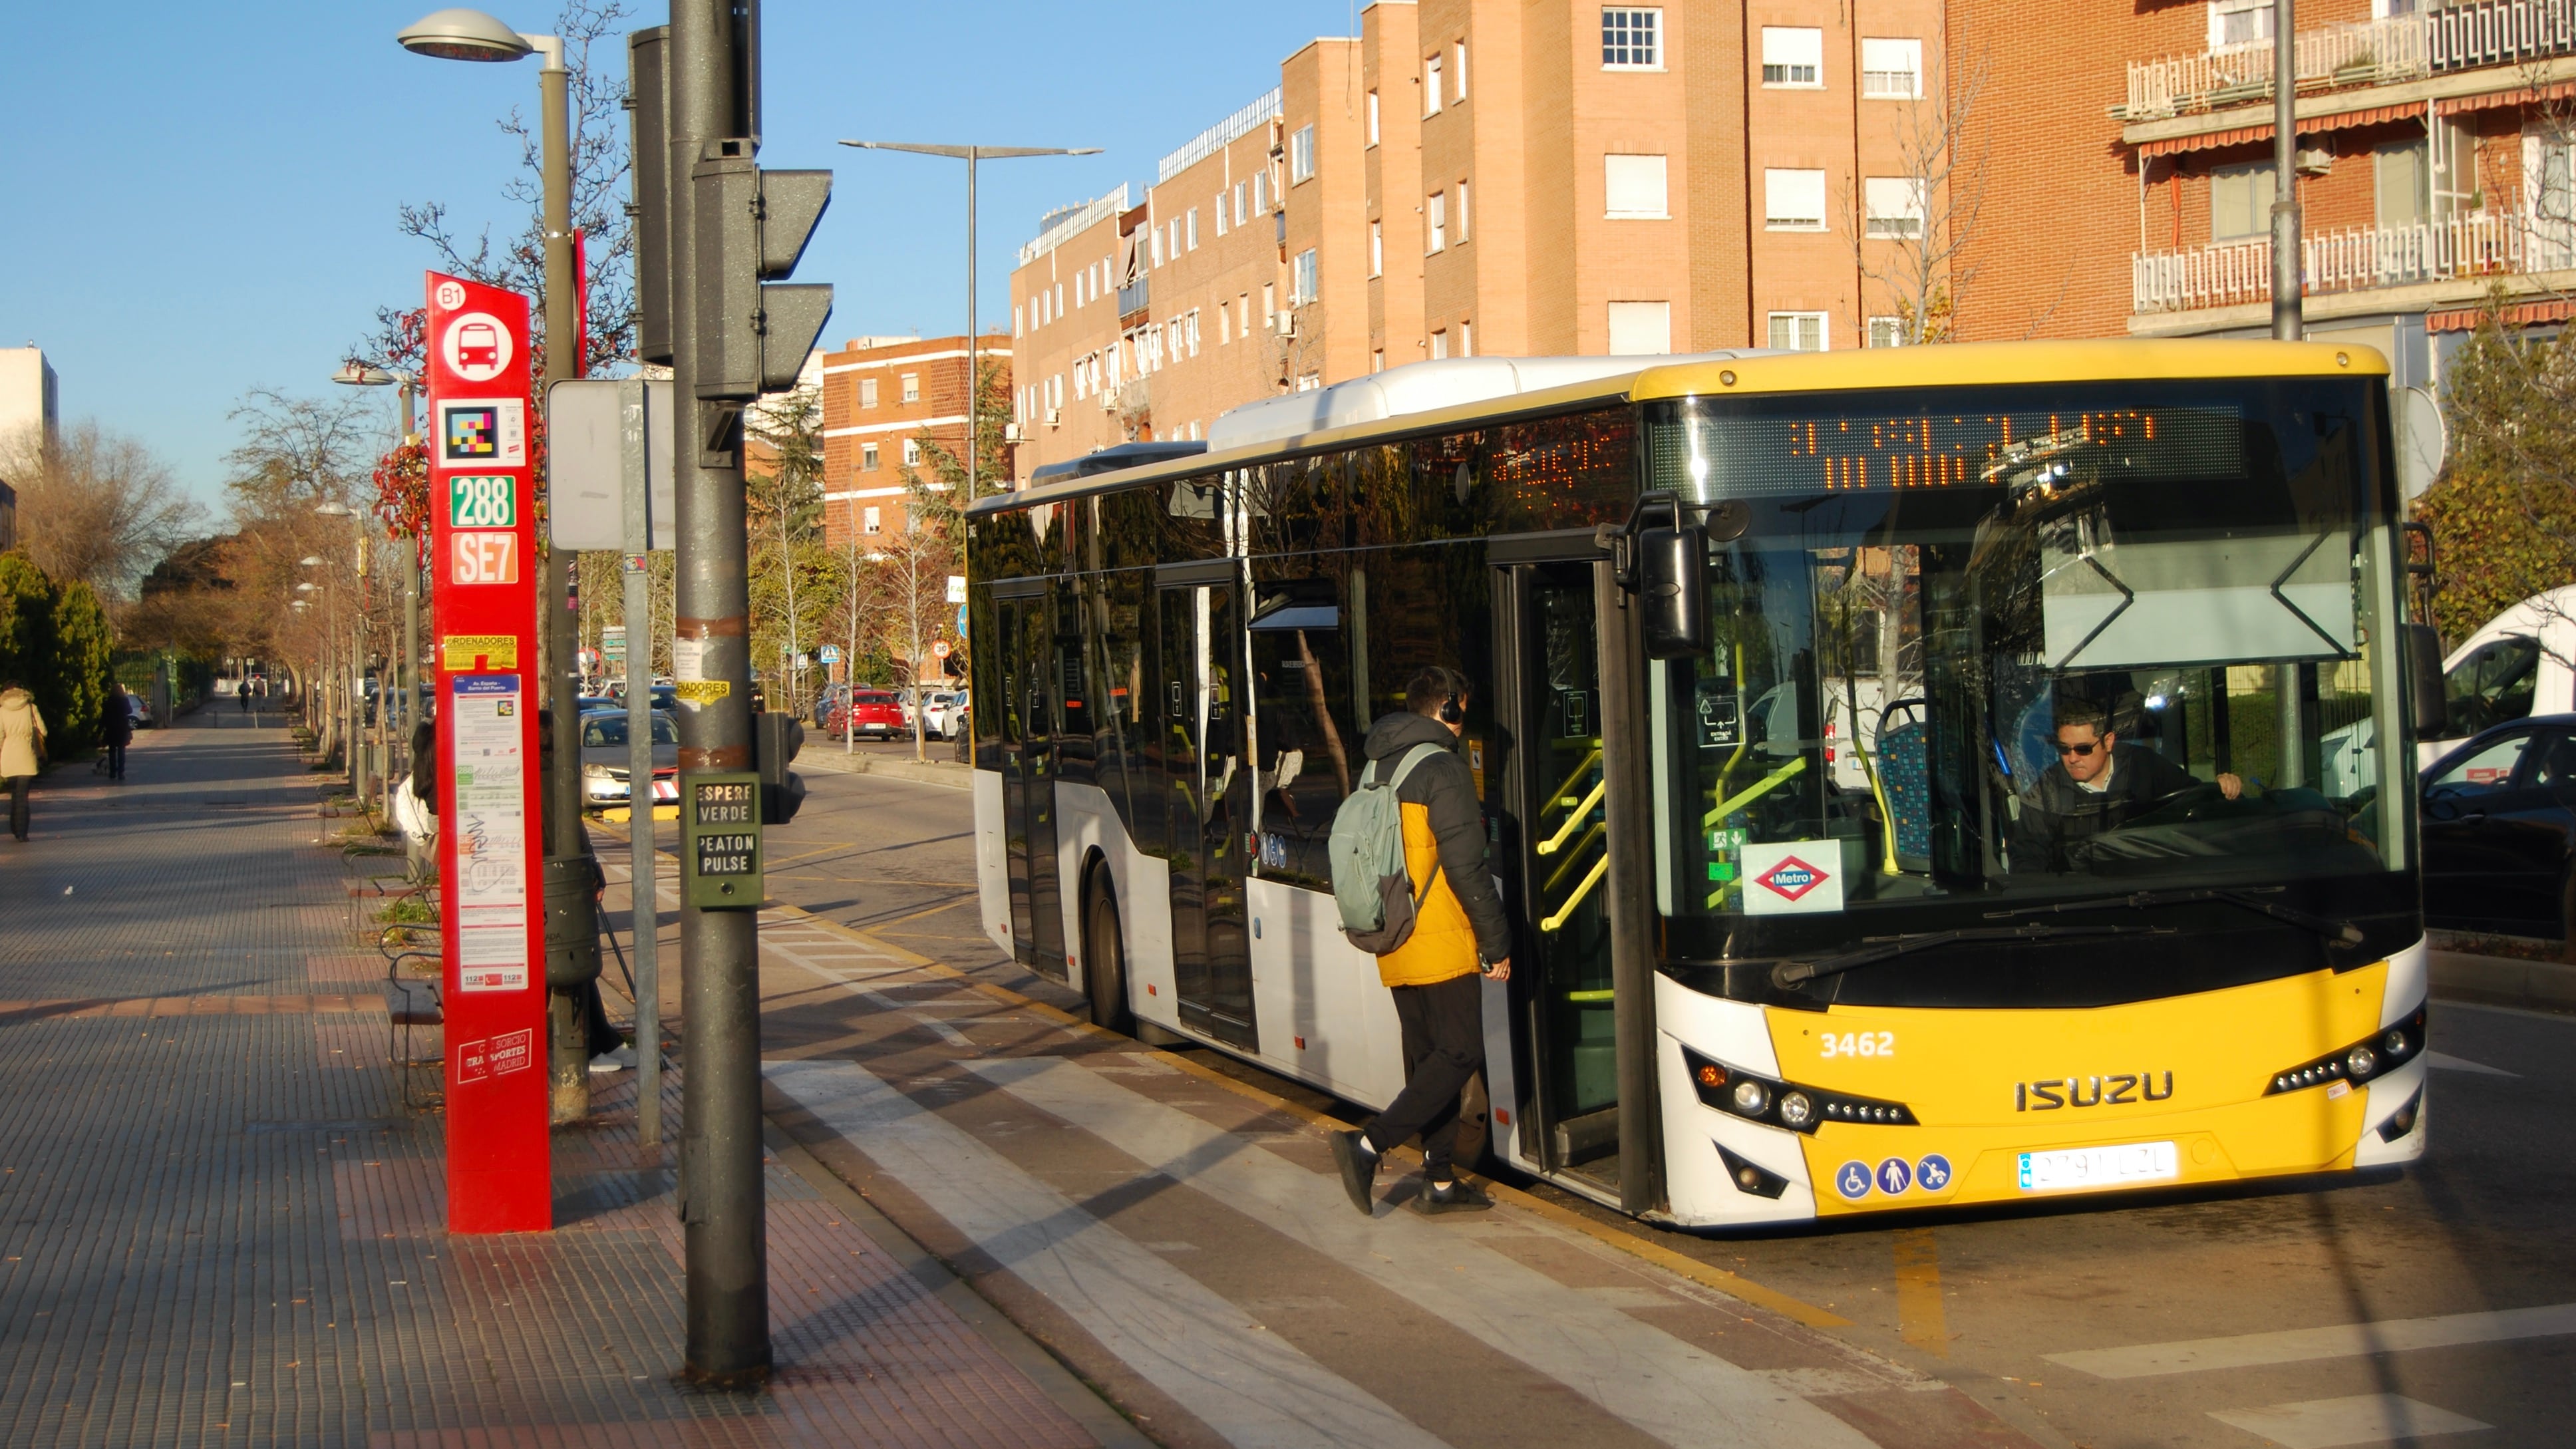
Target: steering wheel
{"points": [[2193, 802]]}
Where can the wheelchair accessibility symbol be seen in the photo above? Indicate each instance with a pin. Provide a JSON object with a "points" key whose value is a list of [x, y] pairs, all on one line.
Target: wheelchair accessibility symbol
{"points": [[1933, 1172], [1853, 1180]]}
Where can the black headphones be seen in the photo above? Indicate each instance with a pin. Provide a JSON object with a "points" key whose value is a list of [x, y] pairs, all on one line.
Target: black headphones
{"points": [[1451, 713]]}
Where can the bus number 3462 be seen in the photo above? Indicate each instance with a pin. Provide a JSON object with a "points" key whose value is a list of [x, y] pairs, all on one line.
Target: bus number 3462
{"points": [[1860, 1044]]}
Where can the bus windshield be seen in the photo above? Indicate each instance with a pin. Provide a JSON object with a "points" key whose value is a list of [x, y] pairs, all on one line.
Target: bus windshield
{"points": [[1976, 654]]}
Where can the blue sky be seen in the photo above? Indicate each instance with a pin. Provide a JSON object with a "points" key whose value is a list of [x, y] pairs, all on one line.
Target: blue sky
{"points": [[203, 195]]}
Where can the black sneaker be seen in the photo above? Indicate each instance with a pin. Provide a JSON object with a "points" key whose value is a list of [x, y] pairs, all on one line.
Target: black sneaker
{"points": [[1460, 1196], [1358, 1162]]}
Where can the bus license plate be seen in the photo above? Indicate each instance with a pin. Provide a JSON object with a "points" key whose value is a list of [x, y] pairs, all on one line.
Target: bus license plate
{"points": [[2092, 1167]]}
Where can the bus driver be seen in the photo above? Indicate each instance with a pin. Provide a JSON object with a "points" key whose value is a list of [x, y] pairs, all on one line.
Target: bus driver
{"points": [[2096, 786]]}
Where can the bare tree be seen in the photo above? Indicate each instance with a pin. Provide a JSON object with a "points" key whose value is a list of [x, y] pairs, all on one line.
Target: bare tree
{"points": [[1921, 262], [94, 506], [594, 54]]}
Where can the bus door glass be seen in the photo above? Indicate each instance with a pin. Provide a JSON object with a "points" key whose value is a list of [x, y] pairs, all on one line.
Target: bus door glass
{"points": [[1208, 792], [1012, 717], [1564, 860], [1028, 783]]}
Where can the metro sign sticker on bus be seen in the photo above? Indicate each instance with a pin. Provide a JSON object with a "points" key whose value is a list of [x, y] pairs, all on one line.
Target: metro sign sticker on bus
{"points": [[1783, 878]]}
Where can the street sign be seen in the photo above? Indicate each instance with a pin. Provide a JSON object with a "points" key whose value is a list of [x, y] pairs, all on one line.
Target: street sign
{"points": [[961, 621], [939, 650], [491, 926], [956, 588], [830, 653], [587, 459], [612, 642], [720, 840]]}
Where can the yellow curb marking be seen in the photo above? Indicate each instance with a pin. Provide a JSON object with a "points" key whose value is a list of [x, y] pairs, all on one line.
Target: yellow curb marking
{"points": [[1918, 1291]]}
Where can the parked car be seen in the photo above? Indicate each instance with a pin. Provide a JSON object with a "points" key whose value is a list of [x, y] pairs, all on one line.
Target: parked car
{"points": [[940, 704], [605, 760], [877, 715], [2499, 831]]}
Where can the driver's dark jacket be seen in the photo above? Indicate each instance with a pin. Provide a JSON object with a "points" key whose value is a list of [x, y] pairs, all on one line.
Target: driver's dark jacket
{"points": [[2059, 817]]}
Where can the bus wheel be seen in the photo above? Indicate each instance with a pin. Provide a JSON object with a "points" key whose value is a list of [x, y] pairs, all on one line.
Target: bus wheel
{"points": [[1475, 1127], [1104, 972]]}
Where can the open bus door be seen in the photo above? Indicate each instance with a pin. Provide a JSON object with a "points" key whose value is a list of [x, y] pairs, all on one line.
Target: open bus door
{"points": [[1571, 681], [1208, 790], [1027, 721]]}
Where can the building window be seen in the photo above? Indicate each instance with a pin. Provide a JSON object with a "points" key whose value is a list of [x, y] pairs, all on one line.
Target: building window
{"points": [[1632, 39], [1641, 329], [1436, 218], [1190, 329], [1305, 289], [1301, 155], [1891, 69], [1460, 220], [1798, 331], [867, 392], [1243, 313], [1238, 203], [1377, 249], [1372, 118], [1261, 191], [912, 452], [1016, 328], [1220, 213], [1269, 305], [1059, 308], [1193, 228], [1377, 361], [1634, 187], [1458, 71], [2240, 201], [2239, 22], [912, 387], [1466, 339], [2548, 192], [867, 457], [1793, 200], [1793, 56], [1431, 85], [871, 520], [1887, 332], [1892, 206], [2404, 181], [1440, 345]]}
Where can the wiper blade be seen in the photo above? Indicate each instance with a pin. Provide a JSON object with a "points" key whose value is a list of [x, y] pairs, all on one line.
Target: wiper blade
{"points": [[1787, 974], [2342, 933]]}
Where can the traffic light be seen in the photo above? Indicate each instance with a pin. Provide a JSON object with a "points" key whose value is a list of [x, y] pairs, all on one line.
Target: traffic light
{"points": [[648, 104], [753, 335], [775, 739]]}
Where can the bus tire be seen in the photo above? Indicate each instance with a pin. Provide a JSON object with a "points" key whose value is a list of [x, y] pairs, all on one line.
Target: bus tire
{"points": [[1104, 956], [1475, 1128]]}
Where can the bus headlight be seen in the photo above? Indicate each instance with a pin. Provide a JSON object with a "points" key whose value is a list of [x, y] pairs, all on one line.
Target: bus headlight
{"points": [[2376, 1055], [1785, 1104]]}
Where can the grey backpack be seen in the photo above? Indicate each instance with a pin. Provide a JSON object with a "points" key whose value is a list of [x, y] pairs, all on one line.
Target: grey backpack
{"points": [[1376, 897]]}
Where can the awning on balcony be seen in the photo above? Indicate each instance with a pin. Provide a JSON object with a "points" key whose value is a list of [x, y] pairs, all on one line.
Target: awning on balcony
{"points": [[2520, 314], [2498, 100], [2308, 126]]}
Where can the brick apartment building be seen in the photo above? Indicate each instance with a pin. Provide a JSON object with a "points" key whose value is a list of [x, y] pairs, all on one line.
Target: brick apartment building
{"points": [[2433, 163], [1492, 177], [881, 396]]}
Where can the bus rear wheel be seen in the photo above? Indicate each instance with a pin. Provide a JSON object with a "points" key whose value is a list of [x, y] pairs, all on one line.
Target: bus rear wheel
{"points": [[1104, 956]]}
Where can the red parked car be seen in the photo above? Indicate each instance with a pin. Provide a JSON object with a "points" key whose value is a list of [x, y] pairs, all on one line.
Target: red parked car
{"points": [[879, 714]]}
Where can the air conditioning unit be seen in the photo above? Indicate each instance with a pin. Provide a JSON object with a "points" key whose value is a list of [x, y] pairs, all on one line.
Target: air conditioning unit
{"points": [[1108, 401], [1055, 417], [1010, 432], [1287, 324]]}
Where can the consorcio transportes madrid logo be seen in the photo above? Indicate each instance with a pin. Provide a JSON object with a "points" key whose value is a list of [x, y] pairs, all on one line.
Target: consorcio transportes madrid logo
{"points": [[1790, 879]]}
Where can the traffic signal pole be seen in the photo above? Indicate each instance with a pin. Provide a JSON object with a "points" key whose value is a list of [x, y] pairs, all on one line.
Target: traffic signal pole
{"points": [[722, 1214]]}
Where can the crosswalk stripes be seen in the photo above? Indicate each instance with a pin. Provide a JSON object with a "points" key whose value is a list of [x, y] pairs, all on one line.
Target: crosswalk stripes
{"points": [[2360, 1419], [2300, 1345]]}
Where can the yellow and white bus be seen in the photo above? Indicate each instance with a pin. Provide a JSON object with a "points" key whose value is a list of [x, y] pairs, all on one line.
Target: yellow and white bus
{"points": [[1772, 650]]}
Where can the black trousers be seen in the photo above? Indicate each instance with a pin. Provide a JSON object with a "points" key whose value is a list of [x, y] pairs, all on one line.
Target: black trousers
{"points": [[1444, 1045], [18, 804], [115, 761]]}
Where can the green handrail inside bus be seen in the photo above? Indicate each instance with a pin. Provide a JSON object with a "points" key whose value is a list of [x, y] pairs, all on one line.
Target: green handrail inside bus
{"points": [[1573, 818], [1756, 790], [1565, 913]]}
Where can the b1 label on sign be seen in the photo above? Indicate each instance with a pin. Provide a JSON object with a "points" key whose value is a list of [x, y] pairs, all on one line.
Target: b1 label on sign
{"points": [[482, 501], [720, 841]]}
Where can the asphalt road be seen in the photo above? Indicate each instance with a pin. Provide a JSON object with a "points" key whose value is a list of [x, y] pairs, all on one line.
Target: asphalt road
{"points": [[2436, 1303]]}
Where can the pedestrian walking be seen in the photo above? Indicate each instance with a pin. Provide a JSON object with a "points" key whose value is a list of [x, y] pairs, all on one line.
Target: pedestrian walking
{"points": [[116, 730], [1459, 938], [241, 693], [22, 749]]}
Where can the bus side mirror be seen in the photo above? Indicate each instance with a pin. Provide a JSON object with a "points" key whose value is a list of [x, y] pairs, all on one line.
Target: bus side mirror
{"points": [[2424, 680], [1672, 591]]}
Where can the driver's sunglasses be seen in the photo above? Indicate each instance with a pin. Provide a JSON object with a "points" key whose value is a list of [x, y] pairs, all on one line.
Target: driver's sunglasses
{"points": [[2079, 750]]}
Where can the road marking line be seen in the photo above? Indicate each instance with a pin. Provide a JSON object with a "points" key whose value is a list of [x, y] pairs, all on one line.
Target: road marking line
{"points": [[2361, 1419], [1251, 1386], [1919, 1318], [1664, 1386], [2300, 1345], [2445, 1062]]}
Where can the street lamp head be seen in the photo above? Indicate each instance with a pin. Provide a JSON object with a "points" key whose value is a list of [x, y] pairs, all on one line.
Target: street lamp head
{"points": [[310, 561], [334, 510], [462, 34], [304, 588], [360, 374]]}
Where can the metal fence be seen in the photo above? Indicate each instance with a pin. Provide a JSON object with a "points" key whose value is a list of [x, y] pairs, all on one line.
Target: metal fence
{"points": [[2372, 52], [2500, 32], [2472, 244]]}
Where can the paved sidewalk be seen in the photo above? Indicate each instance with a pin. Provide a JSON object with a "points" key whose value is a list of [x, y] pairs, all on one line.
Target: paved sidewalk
{"points": [[220, 1225]]}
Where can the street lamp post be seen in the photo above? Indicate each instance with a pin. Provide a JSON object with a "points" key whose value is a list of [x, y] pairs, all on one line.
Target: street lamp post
{"points": [[970, 154], [472, 35], [354, 709], [398, 726]]}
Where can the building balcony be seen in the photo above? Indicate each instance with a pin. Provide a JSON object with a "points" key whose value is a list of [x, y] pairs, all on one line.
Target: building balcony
{"points": [[2441, 42], [1135, 303], [2465, 247]]}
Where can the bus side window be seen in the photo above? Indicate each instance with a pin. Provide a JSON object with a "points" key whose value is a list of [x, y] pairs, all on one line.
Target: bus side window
{"points": [[1309, 751]]}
